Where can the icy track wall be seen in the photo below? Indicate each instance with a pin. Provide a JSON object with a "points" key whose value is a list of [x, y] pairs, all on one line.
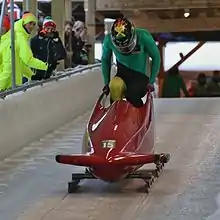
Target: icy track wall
{"points": [[26, 116]]}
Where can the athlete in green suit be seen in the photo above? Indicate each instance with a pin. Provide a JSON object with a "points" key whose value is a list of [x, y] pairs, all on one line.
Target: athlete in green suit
{"points": [[132, 47]]}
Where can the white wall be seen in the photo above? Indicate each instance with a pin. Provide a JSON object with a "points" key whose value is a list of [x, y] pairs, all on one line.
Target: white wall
{"points": [[28, 116], [207, 58]]}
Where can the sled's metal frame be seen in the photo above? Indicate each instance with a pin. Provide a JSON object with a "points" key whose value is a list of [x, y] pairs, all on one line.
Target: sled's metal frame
{"points": [[148, 176]]}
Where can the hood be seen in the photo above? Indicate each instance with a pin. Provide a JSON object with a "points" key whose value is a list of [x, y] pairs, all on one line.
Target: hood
{"points": [[20, 29]]}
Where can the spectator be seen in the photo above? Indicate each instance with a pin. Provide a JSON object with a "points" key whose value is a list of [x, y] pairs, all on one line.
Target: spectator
{"points": [[73, 44], [6, 24], [173, 84], [23, 29], [213, 87], [23, 55], [192, 89], [5, 29], [48, 47], [68, 41], [4, 36], [80, 57], [201, 90], [80, 30]]}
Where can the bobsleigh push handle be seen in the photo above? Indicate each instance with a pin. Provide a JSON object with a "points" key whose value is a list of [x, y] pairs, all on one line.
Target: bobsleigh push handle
{"points": [[102, 99], [150, 90]]}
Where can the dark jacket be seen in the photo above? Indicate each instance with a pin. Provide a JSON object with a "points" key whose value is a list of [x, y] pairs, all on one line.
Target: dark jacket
{"points": [[48, 49], [77, 46]]}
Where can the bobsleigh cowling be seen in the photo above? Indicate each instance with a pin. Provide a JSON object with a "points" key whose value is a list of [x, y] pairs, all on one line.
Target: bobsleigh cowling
{"points": [[119, 139]]}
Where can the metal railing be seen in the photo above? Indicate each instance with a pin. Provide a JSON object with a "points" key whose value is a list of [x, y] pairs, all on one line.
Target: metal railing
{"points": [[31, 84], [58, 76], [3, 9]]}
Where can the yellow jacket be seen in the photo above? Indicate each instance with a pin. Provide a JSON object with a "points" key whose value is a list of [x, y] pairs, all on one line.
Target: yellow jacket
{"points": [[23, 57]]}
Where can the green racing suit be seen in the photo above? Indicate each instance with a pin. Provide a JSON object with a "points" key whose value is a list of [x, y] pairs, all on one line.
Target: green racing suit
{"points": [[136, 61]]}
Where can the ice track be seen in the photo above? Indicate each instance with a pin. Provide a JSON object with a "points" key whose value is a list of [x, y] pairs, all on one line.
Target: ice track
{"points": [[34, 187]]}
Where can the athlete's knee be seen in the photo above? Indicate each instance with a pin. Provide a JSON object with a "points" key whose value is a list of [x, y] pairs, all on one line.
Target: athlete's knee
{"points": [[117, 83], [133, 95], [117, 87]]}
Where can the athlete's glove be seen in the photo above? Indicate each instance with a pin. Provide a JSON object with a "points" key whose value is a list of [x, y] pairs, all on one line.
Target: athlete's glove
{"points": [[150, 87], [106, 89]]}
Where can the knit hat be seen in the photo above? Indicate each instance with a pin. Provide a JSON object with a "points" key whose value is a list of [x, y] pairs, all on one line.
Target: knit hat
{"points": [[6, 22], [28, 17], [49, 22]]}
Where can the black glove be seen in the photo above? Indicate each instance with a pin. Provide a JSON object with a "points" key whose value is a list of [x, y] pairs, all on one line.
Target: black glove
{"points": [[106, 89], [150, 87]]}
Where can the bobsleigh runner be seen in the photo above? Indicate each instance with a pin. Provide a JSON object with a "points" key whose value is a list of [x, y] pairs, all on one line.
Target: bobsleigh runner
{"points": [[119, 139]]}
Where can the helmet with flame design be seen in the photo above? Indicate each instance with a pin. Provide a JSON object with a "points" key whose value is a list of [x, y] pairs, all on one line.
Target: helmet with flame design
{"points": [[123, 35]]}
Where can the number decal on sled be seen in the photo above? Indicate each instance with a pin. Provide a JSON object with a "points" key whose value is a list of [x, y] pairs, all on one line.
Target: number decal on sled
{"points": [[108, 144]]}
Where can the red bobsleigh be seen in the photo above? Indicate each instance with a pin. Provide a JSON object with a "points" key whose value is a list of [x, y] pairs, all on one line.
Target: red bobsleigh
{"points": [[119, 139]]}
